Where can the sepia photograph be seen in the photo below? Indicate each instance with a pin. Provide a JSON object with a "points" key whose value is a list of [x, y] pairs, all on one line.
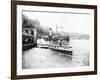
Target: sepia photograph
{"points": [[53, 39]]}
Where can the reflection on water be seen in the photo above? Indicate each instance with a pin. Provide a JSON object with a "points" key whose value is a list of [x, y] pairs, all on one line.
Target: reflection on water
{"points": [[46, 58]]}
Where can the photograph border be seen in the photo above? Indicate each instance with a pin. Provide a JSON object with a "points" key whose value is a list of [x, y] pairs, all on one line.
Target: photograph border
{"points": [[14, 39]]}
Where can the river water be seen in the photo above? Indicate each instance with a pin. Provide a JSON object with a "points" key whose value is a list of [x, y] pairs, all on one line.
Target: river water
{"points": [[46, 58]]}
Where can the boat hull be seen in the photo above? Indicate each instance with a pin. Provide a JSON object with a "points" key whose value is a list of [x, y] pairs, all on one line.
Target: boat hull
{"points": [[62, 51]]}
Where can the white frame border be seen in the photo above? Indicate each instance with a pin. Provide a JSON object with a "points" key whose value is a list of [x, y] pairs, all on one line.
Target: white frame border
{"points": [[58, 70]]}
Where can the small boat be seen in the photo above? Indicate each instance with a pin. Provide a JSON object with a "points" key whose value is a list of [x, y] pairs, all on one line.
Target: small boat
{"points": [[42, 46]]}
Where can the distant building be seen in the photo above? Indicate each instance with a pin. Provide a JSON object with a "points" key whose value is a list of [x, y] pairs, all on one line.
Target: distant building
{"points": [[50, 34]]}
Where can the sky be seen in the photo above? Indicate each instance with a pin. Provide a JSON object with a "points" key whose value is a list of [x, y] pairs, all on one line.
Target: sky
{"points": [[70, 22]]}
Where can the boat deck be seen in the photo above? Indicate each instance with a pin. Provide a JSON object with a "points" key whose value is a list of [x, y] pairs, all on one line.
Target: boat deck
{"points": [[62, 49]]}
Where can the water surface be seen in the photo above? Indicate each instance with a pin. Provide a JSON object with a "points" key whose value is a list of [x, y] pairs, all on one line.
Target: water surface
{"points": [[47, 58]]}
